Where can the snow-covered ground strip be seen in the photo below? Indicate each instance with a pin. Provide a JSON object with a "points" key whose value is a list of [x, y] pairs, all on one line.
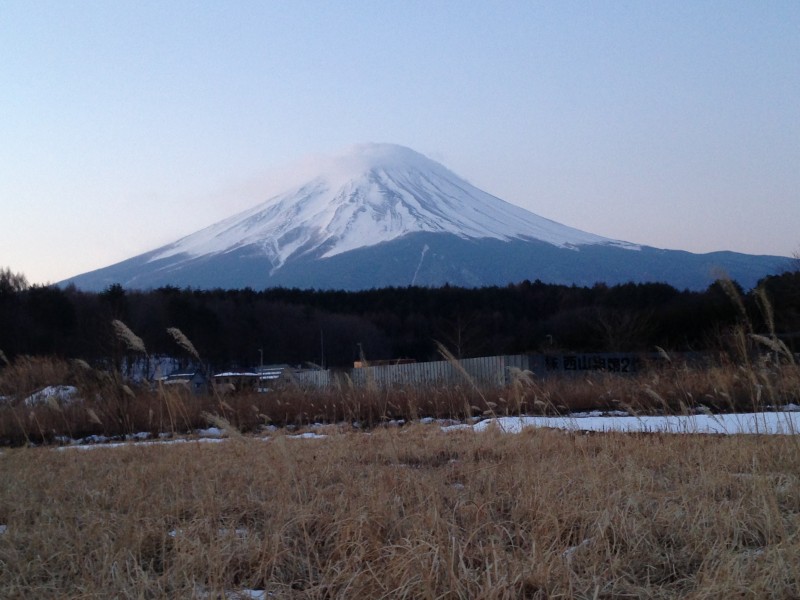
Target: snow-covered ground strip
{"points": [[784, 422], [309, 435], [129, 444], [209, 436], [240, 595], [730, 424]]}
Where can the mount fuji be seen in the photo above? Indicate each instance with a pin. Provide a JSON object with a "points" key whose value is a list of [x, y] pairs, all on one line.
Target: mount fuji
{"points": [[384, 215]]}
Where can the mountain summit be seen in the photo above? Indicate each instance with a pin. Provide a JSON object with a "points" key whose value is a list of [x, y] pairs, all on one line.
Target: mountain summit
{"points": [[382, 214], [374, 193]]}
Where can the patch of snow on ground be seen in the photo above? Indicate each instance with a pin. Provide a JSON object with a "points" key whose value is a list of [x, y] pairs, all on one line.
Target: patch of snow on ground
{"points": [[309, 435], [239, 595], [572, 549], [139, 444], [93, 439], [211, 432], [59, 393], [248, 595]]}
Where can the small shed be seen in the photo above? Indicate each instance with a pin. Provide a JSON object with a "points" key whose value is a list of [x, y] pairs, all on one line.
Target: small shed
{"points": [[271, 375], [237, 381], [195, 381], [261, 379]]}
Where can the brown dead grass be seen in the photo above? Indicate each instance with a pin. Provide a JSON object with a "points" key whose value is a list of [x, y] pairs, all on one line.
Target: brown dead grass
{"points": [[407, 513]]}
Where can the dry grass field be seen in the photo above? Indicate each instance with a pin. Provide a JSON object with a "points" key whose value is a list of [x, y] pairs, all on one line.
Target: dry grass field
{"points": [[408, 512], [379, 510]]}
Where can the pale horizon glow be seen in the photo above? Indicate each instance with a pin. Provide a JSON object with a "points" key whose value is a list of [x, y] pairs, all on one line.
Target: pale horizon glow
{"points": [[126, 126]]}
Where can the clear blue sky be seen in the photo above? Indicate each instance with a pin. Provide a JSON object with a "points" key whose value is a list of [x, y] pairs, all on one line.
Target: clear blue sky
{"points": [[125, 125]]}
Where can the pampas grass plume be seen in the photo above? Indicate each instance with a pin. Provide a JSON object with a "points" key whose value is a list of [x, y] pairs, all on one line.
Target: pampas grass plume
{"points": [[222, 424], [183, 341], [132, 341], [93, 416], [79, 362]]}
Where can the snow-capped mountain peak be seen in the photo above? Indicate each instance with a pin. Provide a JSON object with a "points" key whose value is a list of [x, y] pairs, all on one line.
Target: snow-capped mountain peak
{"points": [[382, 215], [370, 194]]}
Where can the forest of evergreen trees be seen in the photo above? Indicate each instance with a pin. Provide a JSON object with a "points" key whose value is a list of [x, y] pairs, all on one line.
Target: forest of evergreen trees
{"points": [[229, 327]]}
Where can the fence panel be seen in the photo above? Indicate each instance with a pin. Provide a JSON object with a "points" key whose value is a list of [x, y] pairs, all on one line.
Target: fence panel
{"points": [[483, 371]]}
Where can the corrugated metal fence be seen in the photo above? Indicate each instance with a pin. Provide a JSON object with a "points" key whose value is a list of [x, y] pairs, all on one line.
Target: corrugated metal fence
{"points": [[489, 371]]}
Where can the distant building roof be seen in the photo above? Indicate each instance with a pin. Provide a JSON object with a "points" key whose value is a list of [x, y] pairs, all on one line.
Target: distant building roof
{"points": [[236, 374]]}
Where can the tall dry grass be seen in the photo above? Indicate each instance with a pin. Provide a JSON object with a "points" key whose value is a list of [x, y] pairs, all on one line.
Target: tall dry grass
{"points": [[108, 406], [407, 513]]}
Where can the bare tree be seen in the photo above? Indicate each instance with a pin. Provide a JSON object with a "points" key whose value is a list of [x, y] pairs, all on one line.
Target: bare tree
{"points": [[11, 283]]}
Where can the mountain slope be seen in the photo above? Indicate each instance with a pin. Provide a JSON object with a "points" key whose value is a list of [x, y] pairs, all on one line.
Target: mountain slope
{"points": [[435, 259], [381, 215]]}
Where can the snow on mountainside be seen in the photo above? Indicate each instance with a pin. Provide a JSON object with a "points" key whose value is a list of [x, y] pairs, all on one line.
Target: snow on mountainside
{"points": [[373, 193], [382, 215]]}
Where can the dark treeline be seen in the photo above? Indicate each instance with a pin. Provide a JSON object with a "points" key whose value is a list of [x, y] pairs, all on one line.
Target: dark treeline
{"points": [[228, 327]]}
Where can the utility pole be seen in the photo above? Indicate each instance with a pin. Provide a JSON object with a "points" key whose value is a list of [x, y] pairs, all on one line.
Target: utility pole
{"points": [[261, 361]]}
